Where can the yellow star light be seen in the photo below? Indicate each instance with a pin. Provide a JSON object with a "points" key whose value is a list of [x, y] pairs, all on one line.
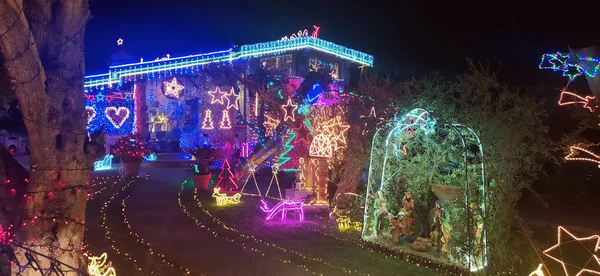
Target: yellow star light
{"points": [[586, 245], [336, 130], [232, 97], [289, 109], [217, 96], [173, 88]]}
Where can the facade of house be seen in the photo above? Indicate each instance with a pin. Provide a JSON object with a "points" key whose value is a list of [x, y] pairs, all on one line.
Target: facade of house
{"points": [[175, 102]]}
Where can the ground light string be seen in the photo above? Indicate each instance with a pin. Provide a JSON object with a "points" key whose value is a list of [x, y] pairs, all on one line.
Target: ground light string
{"points": [[371, 256], [308, 247], [112, 241], [370, 247], [215, 234], [251, 237], [92, 196], [140, 240], [105, 226], [103, 180]]}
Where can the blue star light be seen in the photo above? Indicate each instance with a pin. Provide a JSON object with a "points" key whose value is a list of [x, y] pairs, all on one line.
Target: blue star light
{"points": [[100, 97]]}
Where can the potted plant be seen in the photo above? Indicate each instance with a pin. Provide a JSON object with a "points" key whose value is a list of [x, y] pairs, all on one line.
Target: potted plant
{"points": [[131, 151], [205, 155]]}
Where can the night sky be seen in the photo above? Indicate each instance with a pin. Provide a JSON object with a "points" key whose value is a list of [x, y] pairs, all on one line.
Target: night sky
{"points": [[411, 38]]}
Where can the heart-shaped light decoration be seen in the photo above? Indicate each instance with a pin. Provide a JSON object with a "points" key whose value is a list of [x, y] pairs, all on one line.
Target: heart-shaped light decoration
{"points": [[117, 116], [90, 112]]}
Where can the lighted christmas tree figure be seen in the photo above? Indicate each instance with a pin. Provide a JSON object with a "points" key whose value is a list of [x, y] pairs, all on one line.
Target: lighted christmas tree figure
{"points": [[251, 170], [207, 123], [225, 122], [227, 179], [274, 178], [283, 159]]}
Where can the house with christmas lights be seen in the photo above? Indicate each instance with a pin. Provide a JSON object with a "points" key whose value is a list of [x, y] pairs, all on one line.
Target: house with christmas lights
{"points": [[214, 97]]}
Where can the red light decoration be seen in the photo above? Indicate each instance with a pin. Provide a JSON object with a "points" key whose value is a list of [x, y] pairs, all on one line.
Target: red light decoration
{"points": [[115, 96], [129, 148], [226, 178], [568, 98], [89, 97], [303, 134], [315, 32], [589, 245], [244, 153]]}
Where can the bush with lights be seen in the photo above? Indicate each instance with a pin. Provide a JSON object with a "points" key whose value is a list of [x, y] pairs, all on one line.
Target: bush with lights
{"points": [[130, 149]]}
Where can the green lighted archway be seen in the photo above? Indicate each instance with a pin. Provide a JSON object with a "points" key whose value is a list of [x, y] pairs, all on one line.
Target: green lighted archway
{"points": [[417, 154]]}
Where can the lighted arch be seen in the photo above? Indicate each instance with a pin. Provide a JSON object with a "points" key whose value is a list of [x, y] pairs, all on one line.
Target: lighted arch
{"points": [[389, 143]]}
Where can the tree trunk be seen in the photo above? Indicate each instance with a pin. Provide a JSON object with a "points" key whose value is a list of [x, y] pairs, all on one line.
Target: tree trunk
{"points": [[355, 159], [42, 43]]}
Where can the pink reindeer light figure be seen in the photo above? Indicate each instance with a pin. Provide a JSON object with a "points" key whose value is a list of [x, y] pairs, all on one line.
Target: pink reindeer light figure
{"points": [[282, 208]]}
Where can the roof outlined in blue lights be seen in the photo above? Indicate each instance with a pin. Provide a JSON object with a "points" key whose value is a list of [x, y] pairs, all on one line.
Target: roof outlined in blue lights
{"points": [[116, 73]]}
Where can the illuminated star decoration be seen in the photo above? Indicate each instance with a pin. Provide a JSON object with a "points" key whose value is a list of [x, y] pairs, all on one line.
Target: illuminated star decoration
{"points": [[586, 245], [570, 64], [289, 110], [90, 98], [336, 131], [120, 41], [372, 113], [567, 98], [100, 97], [303, 133], [232, 99], [270, 125], [217, 96], [172, 88], [590, 156], [371, 118]]}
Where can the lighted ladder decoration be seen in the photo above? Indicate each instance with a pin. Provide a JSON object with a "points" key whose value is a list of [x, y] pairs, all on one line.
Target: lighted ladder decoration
{"points": [[275, 168], [251, 170]]}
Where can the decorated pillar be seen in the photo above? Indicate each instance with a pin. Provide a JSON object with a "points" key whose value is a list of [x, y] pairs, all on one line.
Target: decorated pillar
{"points": [[321, 167], [314, 175], [139, 98]]}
